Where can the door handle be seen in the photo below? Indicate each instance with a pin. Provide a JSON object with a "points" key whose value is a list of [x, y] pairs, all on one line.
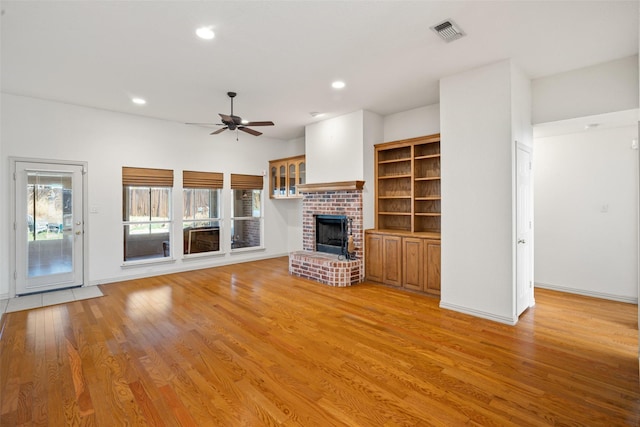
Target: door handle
{"points": [[78, 233], [521, 241]]}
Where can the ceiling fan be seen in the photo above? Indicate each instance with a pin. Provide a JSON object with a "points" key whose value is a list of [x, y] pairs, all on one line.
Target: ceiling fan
{"points": [[231, 122]]}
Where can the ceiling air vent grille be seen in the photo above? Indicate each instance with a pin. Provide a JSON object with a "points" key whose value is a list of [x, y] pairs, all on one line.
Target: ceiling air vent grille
{"points": [[448, 31]]}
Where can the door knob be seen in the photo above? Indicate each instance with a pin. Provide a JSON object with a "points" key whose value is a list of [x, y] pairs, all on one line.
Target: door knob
{"points": [[78, 232], [521, 241]]}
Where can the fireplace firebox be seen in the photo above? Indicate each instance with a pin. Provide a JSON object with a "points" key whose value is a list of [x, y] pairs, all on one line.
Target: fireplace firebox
{"points": [[331, 234]]}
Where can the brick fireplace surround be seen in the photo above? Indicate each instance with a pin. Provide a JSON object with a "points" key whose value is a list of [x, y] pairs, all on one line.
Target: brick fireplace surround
{"points": [[335, 198]]}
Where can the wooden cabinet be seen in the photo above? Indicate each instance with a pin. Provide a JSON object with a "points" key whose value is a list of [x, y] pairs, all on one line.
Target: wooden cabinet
{"points": [[431, 283], [407, 176], [374, 257], [413, 263], [404, 248], [392, 260], [408, 260], [285, 175], [384, 258]]}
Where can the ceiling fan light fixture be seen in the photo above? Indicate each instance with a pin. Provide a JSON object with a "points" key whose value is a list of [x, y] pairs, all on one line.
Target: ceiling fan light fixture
{"points": [[205, 33]]}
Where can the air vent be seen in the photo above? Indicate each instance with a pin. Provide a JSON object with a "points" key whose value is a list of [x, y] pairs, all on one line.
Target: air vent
{"points": [[448, 31]]}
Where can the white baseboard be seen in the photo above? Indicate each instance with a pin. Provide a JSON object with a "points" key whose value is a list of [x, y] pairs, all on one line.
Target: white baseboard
{"points": [[183, 267], [583, 292], [478, 313]]}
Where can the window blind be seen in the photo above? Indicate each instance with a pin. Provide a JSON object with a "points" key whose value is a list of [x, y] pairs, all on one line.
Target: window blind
{"points": [[145, 177], [246, 182], [192, 179]]}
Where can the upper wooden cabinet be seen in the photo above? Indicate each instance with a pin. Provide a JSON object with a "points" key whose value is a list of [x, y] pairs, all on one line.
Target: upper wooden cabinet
{"points": [[285, 175], [407, 174]]}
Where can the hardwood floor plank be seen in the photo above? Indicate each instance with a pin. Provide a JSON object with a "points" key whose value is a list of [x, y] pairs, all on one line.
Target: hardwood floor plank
{"points": [[247, 344]]}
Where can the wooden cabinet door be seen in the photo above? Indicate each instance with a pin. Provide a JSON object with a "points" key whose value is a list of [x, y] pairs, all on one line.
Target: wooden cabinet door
{"points": [[392, 254], [302, 173], [412, 253], [273, 180], [432, 267], [373, 260]]}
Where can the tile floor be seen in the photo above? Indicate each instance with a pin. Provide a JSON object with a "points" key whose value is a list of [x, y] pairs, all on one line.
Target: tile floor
{"points": [[28, 302]]}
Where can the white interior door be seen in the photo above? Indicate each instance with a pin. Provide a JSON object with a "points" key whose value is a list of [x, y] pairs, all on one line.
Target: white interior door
{"points": [[49, 227], [524, 230]]}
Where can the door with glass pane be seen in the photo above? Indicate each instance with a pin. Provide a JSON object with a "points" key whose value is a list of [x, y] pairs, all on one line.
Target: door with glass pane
{"points": [[49, 227]]}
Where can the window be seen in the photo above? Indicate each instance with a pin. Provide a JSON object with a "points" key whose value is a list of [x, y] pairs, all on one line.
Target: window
{"points": [[146, 213], [246, 210], [201, 223]]}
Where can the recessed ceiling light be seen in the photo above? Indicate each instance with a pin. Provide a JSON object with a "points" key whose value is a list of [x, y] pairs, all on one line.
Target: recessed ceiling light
{"points": [[316, 114], [338, 84], [591, 126], [205, 33], [138, 101]]}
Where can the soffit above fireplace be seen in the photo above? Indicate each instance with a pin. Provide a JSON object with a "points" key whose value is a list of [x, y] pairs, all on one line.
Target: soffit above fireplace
{"points": [[331, 186]]}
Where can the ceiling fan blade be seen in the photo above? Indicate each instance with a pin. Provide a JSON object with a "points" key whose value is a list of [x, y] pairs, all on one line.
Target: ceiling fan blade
{"points": [[219, 130], [205, 124], [251, 131], [259, 124]]}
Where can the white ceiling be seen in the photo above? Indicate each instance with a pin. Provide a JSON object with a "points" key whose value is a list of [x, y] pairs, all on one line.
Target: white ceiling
{"points": [[281, 57]]}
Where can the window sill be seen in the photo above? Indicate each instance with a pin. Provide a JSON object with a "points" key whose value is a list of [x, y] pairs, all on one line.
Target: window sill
{"points": [[143, 262], [200, 255], [252, 249]]}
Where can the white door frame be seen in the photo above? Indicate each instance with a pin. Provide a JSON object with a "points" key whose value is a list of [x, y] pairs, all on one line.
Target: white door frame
{"points": [[85, 211]]}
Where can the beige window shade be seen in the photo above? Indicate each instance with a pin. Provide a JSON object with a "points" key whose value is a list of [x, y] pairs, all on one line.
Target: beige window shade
{"points": [[192, 179], [246, 182], [145, 177]]}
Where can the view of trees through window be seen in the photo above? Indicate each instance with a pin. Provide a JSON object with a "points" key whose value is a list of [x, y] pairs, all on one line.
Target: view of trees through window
{"points": [[48, 203], [246, 224], [147, 209], [201, 220], [147, 222]]}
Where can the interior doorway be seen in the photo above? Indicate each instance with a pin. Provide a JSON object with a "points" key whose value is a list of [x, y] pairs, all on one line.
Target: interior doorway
{"points": [[524, 230], [49, 237]]}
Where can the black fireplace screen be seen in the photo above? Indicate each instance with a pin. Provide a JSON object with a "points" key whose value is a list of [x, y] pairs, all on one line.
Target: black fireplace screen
{"points": [[331, 234]]}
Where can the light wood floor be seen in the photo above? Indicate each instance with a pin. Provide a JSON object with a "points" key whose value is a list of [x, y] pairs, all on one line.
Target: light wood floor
{"points": [[248, 345]]}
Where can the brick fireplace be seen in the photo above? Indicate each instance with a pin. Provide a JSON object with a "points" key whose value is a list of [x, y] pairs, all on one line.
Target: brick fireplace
{"points": [[336, 198]]}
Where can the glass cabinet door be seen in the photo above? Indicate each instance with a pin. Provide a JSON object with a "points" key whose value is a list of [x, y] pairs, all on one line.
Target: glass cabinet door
{"points": [[274, 181], [282, 181], [292, 179], [301, 173]]}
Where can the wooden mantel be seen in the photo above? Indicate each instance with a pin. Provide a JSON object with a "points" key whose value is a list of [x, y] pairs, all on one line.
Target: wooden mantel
{"points": [[331, 186]]}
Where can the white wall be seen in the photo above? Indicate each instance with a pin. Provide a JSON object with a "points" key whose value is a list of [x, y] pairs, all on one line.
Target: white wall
{"points": [[412, 123], [292, 209], [477, 192], [580, 248], [604, 88], [373, 134], [334, 149], [107, 141]]}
